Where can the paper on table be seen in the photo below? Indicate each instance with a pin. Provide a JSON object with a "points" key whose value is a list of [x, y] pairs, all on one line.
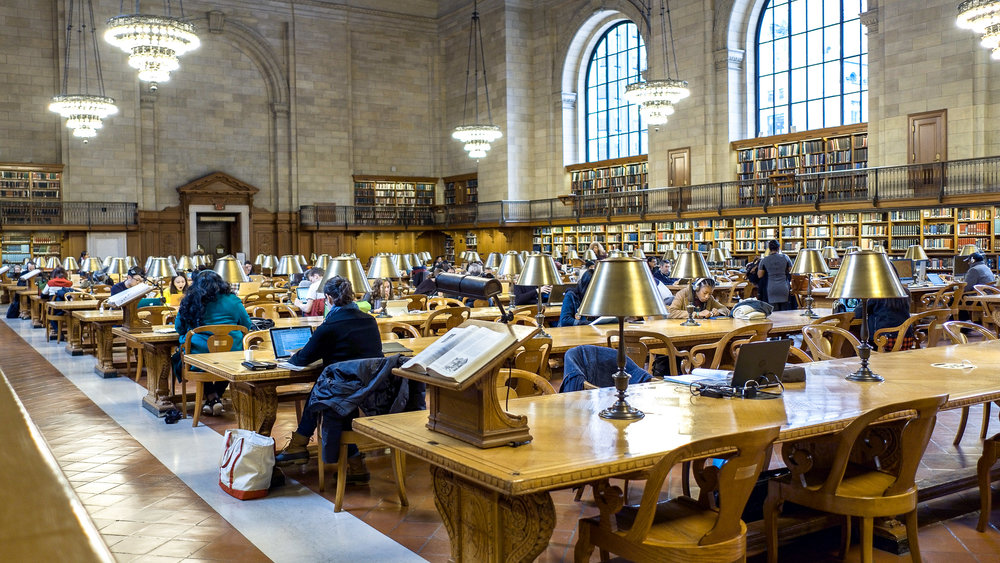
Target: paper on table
{"points": [[293, 367]]}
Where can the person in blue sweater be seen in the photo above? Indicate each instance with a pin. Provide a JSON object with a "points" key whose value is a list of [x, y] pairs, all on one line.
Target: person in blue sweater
{"points": [[572, 299], [210, 301]]}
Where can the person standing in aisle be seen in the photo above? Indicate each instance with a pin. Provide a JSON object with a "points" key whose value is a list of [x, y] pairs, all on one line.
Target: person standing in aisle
{"points": [[775, 269]]}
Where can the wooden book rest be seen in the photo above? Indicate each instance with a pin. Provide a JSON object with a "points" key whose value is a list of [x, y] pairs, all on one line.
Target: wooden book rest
{"points": [[470, 410]]}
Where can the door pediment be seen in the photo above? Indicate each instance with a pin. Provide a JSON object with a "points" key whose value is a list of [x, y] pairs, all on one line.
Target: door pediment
{"points": [[218, 189]]}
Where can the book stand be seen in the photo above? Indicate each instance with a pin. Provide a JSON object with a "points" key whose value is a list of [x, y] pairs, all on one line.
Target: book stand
{"points": [[130, 316], [470, 410]]}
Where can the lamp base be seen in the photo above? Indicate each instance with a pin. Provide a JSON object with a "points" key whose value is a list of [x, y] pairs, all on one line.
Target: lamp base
{"points": [[542, 334], [810, 314], [690, 322], [865, 375], [621, 410]]}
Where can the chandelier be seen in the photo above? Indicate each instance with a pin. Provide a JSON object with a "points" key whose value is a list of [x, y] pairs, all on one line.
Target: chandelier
{"points": [[982, 17], [152, 43], [477, 137], [84, 112], [656, 98]]}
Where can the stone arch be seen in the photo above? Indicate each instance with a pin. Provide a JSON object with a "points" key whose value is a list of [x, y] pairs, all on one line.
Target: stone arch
{"points": [[575, 50], [732, 41]]}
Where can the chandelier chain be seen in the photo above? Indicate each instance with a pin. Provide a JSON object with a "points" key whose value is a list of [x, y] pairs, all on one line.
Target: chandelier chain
{"points": [[482, 55]]}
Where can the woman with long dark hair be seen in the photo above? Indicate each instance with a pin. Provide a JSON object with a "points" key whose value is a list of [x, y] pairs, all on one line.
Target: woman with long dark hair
{"points": [[572, 299], [210, 301]]}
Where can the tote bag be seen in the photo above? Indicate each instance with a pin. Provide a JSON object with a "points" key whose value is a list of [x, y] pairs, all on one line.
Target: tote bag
{"points": [[246, 464]]}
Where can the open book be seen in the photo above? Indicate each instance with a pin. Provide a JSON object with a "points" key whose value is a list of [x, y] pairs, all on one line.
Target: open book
{"points": [[461, 352], [31, 274], [129, 294]]}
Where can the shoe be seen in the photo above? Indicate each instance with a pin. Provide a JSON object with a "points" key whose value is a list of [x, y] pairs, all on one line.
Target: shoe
{"points": [[217, 409], [295, 453], [357, 473], [212, 407]]}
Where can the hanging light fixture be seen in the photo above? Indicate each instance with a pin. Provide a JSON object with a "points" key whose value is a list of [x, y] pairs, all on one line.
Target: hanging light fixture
{"points": [[152, 43], [656, 98], [477, 137], [84, 112]]}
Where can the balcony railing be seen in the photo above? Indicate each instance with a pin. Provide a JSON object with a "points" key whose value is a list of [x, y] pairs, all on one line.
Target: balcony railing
{"points": [[90, 214], [824, 190]]}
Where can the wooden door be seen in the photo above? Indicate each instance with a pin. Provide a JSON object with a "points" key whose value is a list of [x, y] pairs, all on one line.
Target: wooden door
{"points": [[679, 173], [927, 144]]}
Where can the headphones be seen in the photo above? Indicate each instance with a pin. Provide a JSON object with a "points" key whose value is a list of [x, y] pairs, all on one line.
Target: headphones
{"points": [[698, 282]]}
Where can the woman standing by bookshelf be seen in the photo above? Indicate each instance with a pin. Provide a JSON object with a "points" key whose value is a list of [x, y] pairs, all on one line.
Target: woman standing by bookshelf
{"points": [[775, 269]]}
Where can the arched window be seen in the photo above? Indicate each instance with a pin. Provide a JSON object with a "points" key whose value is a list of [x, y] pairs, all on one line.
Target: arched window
{"points": [[812, 65], [613, 127]]}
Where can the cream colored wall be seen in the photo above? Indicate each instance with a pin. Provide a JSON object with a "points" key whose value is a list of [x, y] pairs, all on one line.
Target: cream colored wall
{"points": [[295, 96]]}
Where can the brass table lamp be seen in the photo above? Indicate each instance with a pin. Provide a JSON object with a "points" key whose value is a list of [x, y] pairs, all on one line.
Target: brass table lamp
{"points": [[288, 266], [916, 253], [638, 253], [53, 263], [690, 265], [90, 265], [322, 261], [590, 255], [968, 249], [622, 287], [270, 262], [493, 260], [809, 261], [382, 267], [539, 270], [185, 263], [510, 267], [70, 263], [866, 275], [669, 254], [116, 266], [572, 257], [830, 253], [472, 256], [402, 264], [716, 256], [351, 270], [556, 254], [230, 270]]}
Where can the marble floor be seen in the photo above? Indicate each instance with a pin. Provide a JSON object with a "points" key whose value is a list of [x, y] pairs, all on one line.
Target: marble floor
{"points": [[152, 489]]}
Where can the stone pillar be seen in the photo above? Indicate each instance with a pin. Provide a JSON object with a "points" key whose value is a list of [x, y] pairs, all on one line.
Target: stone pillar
{"points": [[147, 150]]}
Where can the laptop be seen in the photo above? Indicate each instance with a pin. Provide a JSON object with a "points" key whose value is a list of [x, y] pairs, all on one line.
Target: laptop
{"points": [[756, 360], [396, 307], [288, 340], [302, 293], [246, 288], [904, 270], [558, 290], [935, 279]]}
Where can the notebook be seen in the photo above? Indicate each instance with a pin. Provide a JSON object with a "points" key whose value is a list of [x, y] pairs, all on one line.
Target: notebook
{"points": [[935, 279], [288, 340], [756, 359]]}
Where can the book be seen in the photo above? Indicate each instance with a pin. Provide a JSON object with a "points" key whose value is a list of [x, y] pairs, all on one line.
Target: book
{"points": [[461, 352], [121, 298], [393, 347], [31, 274]]}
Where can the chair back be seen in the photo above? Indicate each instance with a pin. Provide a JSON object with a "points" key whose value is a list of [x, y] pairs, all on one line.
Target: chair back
{"points": [[925, 327], [445, 319], [77, 296], [155, 313], [256, 338], [522, 383], [436, 303], [596, 365], [273, 311], [839, 320], [734, 482], [394, 330], [827, 342], [533, 356], [723, 353], [416, 302], [219, 339], [954, 331], [948, 297], [640, 344], [522, 320], [525, 310], [986, 289], [100, 288], [481, 303], [736, 293]]}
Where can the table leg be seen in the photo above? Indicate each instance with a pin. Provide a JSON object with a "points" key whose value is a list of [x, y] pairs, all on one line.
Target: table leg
{"points": [[25, 307], [105, 361], [4, 297], [74, 336], [37, 307], [256, 406], [158, 370], [487, 526]]}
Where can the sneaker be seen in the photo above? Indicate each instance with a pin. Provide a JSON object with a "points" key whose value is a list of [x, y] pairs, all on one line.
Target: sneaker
{"points": [[212, 407], [217, 409]]}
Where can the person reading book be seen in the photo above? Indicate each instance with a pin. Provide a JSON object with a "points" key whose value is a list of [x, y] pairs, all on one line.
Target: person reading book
{"points": [[346, 334]]}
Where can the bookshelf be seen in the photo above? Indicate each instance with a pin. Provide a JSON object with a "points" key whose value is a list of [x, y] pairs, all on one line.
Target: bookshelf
{"points": [[27, 192], [381, 199], [16, 247], [449, 249], [461, 190], [780, 158], [603, 186]]}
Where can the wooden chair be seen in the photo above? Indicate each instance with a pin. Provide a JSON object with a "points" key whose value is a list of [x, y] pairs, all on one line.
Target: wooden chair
{"points": [[980, 288], [78, 296], [925, 328], [839, 320], [444, 319], [436, 303], [522, 320], [948, 297], [480, 303], [870, 473], [735, 294], [522, 383], [273, 311], [722, 353], [640, 346], [991, 453], [100, 288], [683, 528], [394, 330], [154, 314], [533, 356], [363, 443], [798, 356], [954, 331], [219, 340], [297, 393], [416, 302], [828, 342], [526, 311]]}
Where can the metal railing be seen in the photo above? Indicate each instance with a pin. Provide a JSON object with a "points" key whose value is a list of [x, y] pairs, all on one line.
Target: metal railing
{"points": [[822, 190], [90, 214]]}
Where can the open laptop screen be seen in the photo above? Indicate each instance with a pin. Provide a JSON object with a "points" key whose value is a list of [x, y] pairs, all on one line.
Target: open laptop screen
{"points": [[288, 340], [904, 269], [959, 266]]}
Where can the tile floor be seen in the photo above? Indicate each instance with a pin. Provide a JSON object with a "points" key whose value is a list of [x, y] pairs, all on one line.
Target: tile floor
{"points": [[153, 501]]}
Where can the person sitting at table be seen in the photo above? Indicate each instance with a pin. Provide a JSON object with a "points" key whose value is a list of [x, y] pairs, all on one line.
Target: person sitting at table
{"points": [[175, 292], [346, 334], [699, 294], [598, 249], [428, 285], [662, 273], [776, 268], [887, 313], [979, 273], [572, 299], [528, 294], [210, 301], [57, 282], [134, 276], [380, 293], [311, 305]]}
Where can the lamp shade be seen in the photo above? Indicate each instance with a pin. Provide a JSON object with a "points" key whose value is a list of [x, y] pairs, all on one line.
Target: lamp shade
{"points": [[511, 265], [810, 261], [968, 249], [259, 260], [716, 255], [302, 260], [230, 270], [117, 266], [402, 263], [915, 252], [185, 263], [670, 254], [131, 261], [472, 256], [52, 263], [270, 262], [493, 260], [70, 263], [572, 255], [866, 274], [589, 255], [160, 268], [288, 265], [556, 254], [172, 260], [690, 264], [638, 253], [382, 267], [349, 269], [622, 287], [322, 261], [830, 253], [539, 269], [617, 254], [90, 265], [149, 262], [727, 252], [107, 261]]}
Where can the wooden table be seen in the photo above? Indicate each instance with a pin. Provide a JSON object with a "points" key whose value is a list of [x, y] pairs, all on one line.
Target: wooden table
{"points": [[8, 291], [68, 307], [24, 297], [495, 503], [101, 323], [820, 295], [417, 318]]}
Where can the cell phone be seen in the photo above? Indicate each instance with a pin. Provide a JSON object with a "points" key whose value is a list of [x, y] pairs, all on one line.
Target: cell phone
{"points": [[258, 366]]}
